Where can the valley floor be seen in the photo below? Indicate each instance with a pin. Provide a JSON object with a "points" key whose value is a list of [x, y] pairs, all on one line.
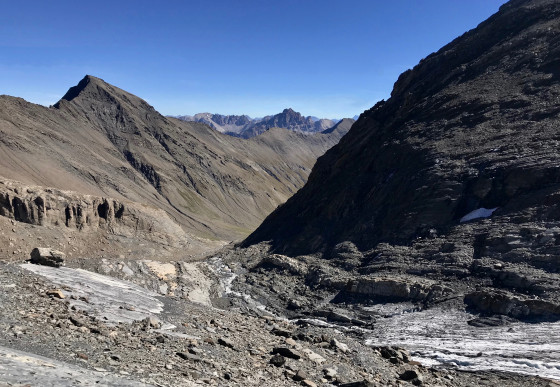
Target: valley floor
{"points": [[70, 326]]}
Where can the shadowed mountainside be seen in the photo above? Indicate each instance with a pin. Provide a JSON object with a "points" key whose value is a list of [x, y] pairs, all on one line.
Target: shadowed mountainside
{"points": [[445, 195], [471, 126]]}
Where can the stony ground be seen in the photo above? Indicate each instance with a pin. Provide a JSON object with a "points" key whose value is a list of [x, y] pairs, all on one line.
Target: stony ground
{"points": [[49, 337]]}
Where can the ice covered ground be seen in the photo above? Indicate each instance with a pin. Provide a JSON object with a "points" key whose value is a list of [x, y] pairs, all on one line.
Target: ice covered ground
{"points": [[226, 277], [437, 337], [19, 368], [109, 298]]}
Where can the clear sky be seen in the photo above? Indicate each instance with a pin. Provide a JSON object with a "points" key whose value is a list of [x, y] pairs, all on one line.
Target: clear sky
{"points": [[328, 58]]}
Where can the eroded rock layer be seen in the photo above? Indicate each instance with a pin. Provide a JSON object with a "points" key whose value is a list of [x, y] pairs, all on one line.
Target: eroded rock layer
{"points": [[73, 211]]}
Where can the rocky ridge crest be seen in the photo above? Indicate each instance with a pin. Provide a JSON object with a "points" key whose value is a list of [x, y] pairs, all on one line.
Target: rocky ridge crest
{"points": [[247, 127]]}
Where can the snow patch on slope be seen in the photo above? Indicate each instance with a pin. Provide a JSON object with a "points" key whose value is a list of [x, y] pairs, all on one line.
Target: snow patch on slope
{"points": [[478, 213]]}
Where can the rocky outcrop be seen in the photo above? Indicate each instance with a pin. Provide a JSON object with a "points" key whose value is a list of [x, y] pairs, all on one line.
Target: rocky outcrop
{"points": [[51, 207], [454, 181], [469, 127], [396, 289], [40, 207], [505, 303], [285, 263]]}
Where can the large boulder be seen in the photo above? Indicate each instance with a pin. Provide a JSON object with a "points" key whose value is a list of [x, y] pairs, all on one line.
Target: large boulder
{"points": [[47, 257]]}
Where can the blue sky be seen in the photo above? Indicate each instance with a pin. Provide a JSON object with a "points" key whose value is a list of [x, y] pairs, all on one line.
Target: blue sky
{"points": [[329, 58]]}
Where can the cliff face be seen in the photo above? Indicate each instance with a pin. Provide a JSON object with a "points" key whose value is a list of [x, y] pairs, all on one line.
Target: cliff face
{"points": [[450, 189], [69, 210], [472, 126]]}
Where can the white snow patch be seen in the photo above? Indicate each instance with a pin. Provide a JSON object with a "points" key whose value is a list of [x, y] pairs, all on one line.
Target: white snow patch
{"points": [[478, 213]]}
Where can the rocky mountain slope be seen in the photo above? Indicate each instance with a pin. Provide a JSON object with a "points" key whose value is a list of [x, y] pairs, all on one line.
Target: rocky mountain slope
{"points": [[471, 126], [432, 224], [96, 226], [444, 195], [100, 140], [288, 119], [342, 127], [246, 127]]}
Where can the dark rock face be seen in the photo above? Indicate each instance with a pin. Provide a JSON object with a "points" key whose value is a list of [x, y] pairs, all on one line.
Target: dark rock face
{"points": [[473, 125], [503, 303], [455, 179], [277, 360], [287, 352], [393, 289]]}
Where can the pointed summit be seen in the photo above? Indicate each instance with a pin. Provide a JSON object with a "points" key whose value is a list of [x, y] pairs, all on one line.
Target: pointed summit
{"points": [[95, 90], [74, 91], [105, 141]]}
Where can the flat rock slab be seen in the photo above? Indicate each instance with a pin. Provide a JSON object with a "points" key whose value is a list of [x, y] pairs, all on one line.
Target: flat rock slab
{"points": [[23, 368], [105, 297]]}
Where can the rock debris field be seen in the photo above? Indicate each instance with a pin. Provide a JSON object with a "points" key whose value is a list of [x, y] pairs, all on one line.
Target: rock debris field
{"points": [[66, 326]]}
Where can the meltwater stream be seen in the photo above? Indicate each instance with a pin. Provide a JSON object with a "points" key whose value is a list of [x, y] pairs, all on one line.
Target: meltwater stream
{"points": [[437, 337], [226, 277]]}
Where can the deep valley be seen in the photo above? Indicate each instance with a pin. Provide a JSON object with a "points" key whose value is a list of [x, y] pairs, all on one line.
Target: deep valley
{"points": [[416, 245]]}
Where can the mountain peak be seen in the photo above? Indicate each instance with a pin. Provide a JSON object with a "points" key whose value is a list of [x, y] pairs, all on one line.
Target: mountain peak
{"points": [[85, 83], [91, 89], [246, 127], [74, 91], [289, 112]]}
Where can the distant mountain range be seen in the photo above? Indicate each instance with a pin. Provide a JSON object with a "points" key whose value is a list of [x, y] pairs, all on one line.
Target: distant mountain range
{"points": [[247, 127]]}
